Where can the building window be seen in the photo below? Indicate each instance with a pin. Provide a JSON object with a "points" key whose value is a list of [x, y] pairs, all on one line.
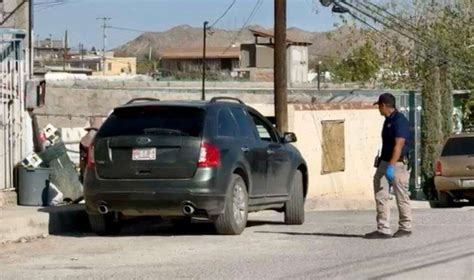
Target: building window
{"points": [[333, 147], [109, 66]]}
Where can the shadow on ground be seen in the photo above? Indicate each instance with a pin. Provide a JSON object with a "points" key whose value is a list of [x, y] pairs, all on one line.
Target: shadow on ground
{"points": [[72, 220], [326, 234]]}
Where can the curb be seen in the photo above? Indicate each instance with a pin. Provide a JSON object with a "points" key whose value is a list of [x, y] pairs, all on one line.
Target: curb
{"points": [[25, 223]]}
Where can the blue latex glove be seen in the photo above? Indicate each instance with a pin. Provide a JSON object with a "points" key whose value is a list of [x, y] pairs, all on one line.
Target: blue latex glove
{"points": [[390, 173]]}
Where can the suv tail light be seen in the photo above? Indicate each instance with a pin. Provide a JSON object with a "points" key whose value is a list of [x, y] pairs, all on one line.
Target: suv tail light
{"points": [[439, 168], [209, 156], [90, 157]]}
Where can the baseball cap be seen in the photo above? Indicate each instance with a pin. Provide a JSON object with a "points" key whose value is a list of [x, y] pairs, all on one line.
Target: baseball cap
{"points": [[386, 98]]}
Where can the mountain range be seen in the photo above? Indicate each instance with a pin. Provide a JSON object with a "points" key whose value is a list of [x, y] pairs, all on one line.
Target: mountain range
{"points": [[332, 44]]}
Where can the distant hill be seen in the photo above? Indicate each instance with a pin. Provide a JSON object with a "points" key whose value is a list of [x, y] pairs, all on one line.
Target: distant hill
{"points": [[336, 43]]}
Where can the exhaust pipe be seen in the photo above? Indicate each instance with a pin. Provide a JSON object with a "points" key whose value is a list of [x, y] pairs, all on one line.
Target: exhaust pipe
{"points": [[188, 209], [103, 209]]}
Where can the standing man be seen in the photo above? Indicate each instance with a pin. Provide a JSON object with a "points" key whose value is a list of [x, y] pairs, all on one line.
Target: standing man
{"points": [[392, 171]]}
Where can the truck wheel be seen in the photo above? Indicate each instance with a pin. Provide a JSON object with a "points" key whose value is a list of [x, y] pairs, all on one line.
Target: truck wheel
{"points": [[104, 224], [234, 219], [294, 208]]}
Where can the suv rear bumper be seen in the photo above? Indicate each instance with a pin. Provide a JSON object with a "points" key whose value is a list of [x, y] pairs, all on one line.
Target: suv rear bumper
{"points": [[156, 197]]}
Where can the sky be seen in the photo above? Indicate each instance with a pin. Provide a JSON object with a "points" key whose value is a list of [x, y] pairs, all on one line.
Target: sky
{"points": [[79, 17]]}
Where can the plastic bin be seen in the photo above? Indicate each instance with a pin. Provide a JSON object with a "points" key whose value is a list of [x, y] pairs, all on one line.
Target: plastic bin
{"points": [[33, 186]]}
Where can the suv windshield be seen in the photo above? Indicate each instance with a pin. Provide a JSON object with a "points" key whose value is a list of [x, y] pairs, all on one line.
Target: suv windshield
{"points": [[459, 146], [153, 120]]}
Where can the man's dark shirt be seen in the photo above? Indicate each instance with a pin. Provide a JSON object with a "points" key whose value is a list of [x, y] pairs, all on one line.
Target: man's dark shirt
{"points": [[395, 126]]}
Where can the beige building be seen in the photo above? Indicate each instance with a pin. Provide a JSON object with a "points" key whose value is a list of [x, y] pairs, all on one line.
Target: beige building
{"points": [[218, 59], [113, 65], [256, 59], [120, 66]]}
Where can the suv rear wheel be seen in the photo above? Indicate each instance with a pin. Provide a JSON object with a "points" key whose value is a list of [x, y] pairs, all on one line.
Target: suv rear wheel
{"points": [[104, 224], [234, 219], [294, 208]]}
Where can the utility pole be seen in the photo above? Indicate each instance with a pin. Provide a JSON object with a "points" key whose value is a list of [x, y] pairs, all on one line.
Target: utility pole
{"points": [[319, 75], [203, 96], [65, 45], [30, 38], [104, 40], [81, 52], [280, 78]]}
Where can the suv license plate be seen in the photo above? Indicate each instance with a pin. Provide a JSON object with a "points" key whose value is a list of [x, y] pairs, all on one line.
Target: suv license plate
{"points": [[144, 154], [468, 183]]}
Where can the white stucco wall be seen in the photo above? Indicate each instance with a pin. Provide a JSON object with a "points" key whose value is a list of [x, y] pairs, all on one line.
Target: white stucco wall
{"points": [[351, 188]]}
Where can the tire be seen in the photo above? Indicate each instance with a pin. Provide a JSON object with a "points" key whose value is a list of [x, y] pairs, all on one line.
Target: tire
{"points": [[294, 207], [104, 224], [234, 219], [445, 200]]}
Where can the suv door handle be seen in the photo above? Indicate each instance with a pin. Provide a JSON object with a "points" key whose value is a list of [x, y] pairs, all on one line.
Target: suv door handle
{"points": [[270, 152], [245, 149]]}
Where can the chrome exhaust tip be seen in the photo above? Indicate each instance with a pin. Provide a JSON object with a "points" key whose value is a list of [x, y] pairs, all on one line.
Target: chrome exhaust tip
{"points": [[188, 209], [103, 209]]}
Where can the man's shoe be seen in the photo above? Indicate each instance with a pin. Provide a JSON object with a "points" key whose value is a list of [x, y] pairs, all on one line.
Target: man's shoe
{"points": [[377, 235], [402, 233]]}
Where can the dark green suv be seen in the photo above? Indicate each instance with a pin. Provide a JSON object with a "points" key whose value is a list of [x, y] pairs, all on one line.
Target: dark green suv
{"points": [[216, 160]]}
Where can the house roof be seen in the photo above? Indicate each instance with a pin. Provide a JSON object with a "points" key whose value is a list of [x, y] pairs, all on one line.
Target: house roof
{"points": [[196, 53], [270, 35]]}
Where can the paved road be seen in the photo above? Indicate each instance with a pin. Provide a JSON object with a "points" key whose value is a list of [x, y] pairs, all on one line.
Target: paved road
{"points": [[327, 246]]}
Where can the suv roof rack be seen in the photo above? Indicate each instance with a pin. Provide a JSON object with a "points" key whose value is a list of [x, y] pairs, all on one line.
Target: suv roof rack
{"points": [[215, 99], [141, 99]]}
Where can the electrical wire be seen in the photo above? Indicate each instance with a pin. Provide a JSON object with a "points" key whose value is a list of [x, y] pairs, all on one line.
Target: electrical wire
{"points": [[422, 43], [127, 29], [381, 21], [252, 14], [224, 14]]}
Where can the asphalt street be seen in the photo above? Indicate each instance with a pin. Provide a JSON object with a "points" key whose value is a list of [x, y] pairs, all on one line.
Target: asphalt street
{"points": [[328, 246]]}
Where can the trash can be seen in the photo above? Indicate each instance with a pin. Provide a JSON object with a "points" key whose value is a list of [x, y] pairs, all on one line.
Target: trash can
{"points": [[63, 172], [33, 185], [53, 152]]}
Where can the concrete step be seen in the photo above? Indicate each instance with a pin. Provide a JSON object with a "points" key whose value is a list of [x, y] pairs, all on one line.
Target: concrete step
{"points": [[8, 198], [28, 222]]}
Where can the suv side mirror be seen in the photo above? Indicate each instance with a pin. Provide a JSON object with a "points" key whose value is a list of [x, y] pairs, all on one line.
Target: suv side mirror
{"points": [[289, 137]]}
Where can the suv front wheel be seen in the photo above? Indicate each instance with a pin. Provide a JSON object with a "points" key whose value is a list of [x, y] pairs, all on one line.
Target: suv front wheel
{"points": [[234, 219], [294, 208]]}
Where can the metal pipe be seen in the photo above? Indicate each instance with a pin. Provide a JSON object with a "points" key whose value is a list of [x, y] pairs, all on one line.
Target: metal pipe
{"points": [[188, 209], [103, 209]]}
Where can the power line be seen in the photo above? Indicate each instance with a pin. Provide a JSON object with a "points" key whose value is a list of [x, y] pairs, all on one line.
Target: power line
{"points": [[13, 12], [224, 14], [381, 21], [127, 29], [257, 6]]}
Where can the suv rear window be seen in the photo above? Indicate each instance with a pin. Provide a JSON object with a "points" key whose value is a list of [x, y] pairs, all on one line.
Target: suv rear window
{"points": [[459, 146], [153, 120]]}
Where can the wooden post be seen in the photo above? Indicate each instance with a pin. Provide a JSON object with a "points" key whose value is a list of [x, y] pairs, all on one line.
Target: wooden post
{"points": [[203, 95], [280, 78]]}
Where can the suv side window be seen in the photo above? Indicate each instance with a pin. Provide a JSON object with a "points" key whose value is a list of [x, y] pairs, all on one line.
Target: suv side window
{"points": [[265, 132], [226, 125], [243, 122]]}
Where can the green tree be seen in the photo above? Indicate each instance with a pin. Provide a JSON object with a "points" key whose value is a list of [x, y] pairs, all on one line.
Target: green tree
{"points": [[362, 65], [437, 56], [430, 133], [446, 101]]}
